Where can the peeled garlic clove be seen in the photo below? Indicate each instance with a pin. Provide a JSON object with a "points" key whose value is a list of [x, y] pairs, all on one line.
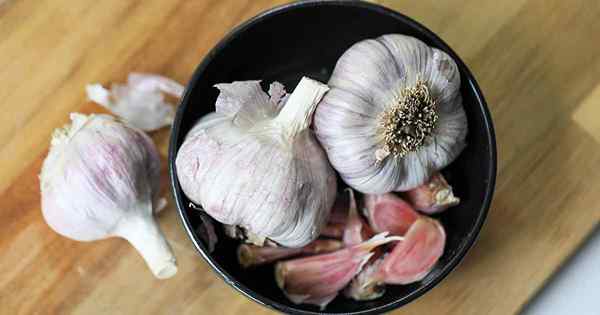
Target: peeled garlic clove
{"points": [[334, 230], [252, 255], [413, 258], [256, 164], [368, 284], [389, 213], [355, 231], [434, 196], [140, 102], [394, 114], [101, 179], [318, 279]]}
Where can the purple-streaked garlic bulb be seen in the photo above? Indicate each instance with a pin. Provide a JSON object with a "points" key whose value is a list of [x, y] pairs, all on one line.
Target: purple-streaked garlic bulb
{"points": [[394, 114], [256, 164], [101, 179]]}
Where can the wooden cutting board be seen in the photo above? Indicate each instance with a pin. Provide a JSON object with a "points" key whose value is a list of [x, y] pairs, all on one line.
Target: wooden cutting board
{"points": [[538, 63]]}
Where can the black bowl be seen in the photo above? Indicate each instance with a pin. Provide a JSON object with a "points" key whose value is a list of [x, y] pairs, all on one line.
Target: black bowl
{"points": [[306, 38]]}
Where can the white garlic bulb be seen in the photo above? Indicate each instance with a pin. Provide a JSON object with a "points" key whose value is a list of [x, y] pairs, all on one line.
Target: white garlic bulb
{"points": [[394, 114], [255, 163], [141, 101], [101, 179]]}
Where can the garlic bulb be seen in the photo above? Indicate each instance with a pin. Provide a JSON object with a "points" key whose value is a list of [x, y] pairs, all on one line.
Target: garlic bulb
{"points": [[140, 102], [318, 279], [394, 114], [413, 258], [254, 162], [101, 179]]}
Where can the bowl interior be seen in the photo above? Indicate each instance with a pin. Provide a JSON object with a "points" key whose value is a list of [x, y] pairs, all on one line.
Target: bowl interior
{"points": [[306, 39]]}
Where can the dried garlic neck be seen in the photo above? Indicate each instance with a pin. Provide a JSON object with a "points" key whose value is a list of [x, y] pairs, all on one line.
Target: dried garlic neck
{"points": [[297, 113], [407, 124]]}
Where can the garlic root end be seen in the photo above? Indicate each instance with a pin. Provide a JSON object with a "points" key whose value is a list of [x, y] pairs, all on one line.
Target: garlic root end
{"points": [[147, 238]]}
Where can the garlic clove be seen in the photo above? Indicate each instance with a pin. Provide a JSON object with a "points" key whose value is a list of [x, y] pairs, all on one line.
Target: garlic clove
{"points": [[100, 179], [245, 102], [388, 212], [318, 279], [434, 196], [252, 255], [140, 102], [413, 258], [355, 231], [368, 284]]}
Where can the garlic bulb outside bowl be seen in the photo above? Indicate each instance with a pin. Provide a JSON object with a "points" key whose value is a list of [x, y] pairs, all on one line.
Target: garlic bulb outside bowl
{"points": [[101, 179], [307, 38]]}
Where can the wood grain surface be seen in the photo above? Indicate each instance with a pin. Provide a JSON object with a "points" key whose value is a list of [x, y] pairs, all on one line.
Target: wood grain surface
{"points": [[538, 63]]}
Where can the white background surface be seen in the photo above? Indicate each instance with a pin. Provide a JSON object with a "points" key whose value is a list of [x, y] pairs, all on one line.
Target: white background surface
{"points": [[575, 290]]}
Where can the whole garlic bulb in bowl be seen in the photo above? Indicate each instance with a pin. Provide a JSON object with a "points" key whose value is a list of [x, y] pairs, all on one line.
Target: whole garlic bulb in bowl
{"points": [[394, 114]]}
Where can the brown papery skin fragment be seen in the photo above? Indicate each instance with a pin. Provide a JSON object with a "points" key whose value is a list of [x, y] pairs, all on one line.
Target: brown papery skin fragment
{"points": [[252, 255]]}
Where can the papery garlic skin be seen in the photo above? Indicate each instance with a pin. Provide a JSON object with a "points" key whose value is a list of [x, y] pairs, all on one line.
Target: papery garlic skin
{"points": [[367, 81], [356, 230], [254, 163], [140, 102], [434, 196], [368, 284], [101, 179]]}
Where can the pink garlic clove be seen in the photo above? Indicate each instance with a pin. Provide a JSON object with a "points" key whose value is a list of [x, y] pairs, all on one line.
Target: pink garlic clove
{"points": [[318, 279], [368, 284], [333, 230], [413, 258], [355, 231], [251, 255], [388, 212], [434, 196]]}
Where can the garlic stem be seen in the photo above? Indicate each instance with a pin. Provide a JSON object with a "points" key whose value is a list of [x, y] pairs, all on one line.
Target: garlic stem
{"points": [[297, 113], [145, 235]]}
